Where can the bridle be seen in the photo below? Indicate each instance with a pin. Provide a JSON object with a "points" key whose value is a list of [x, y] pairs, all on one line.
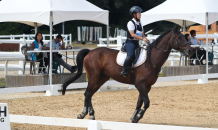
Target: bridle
{"points": [[181, 47], [164, 50]]}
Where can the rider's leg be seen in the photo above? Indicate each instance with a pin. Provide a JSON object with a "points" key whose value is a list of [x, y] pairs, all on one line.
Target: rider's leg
{"points": [[130, 48]]}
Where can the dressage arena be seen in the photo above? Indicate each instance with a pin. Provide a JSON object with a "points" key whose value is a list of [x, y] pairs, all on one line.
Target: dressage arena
{"points": [[182, 103]]}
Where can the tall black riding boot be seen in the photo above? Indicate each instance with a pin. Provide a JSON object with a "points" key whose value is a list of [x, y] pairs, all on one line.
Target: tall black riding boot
{"points": [[124, 71]]}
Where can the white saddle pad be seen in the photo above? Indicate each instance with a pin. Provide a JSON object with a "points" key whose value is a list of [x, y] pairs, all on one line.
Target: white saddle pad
{"points": [[121, 56]]}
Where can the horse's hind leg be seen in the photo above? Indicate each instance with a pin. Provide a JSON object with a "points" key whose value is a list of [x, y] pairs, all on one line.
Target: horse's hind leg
{"points": [[85, 109], [138, 108], [93, 86], [138, 114]]}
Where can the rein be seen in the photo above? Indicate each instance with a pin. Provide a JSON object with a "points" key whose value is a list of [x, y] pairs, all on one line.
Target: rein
{"points": [[149, 56]]}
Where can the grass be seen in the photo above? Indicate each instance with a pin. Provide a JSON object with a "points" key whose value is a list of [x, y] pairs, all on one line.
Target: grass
{"points": [[85, 45], [2, 81], [161, 75]]}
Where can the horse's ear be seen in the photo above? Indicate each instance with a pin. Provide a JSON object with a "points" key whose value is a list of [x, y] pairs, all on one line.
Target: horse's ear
{"points": [[176, 28]]}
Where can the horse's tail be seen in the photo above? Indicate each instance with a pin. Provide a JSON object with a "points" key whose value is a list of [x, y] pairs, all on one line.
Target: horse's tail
{"points": [[79, 60]]}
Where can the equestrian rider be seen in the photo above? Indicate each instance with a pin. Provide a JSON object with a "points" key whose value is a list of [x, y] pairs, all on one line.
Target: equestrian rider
{"points": [[134, 34]]}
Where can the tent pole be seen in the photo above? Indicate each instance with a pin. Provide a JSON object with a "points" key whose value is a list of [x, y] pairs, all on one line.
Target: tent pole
{"points": [[50, 68], [206, 43], [108, 36], [35, 28], [63, 28], [183, 27]]}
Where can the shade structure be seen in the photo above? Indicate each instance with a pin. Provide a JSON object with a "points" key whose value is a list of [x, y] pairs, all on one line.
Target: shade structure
{"points": [[192, 11], [51, 12], [38, 11], [189, 12]]}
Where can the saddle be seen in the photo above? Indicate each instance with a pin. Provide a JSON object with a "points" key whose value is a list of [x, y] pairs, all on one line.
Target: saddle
{"points": [[137, 53]]}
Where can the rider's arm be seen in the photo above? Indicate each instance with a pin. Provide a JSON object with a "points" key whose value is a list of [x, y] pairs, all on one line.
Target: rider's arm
{"points": [[138, 37], [134, 35]]}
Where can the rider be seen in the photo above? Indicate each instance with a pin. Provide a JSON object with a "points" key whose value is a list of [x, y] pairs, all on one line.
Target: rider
{"points": [[134, 34]]}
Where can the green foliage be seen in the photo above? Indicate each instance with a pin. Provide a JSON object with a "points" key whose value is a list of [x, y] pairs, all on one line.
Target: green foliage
{"points": [[118, 17], [2, 82]]}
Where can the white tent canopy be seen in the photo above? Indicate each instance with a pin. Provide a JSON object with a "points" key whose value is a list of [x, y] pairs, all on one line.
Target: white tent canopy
{"points": [[38, 11], [184, 13], [193, 11], [51, 12]]}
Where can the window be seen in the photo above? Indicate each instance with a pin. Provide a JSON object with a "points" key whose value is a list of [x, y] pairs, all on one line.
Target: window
{"points": [[209, 27], [216, 22]]}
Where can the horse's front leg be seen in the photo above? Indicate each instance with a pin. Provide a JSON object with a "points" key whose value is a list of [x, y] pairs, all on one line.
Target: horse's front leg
{"points": [[138, 114], [138, 108]]}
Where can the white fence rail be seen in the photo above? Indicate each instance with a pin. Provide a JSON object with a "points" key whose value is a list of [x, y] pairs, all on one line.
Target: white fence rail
{"points": [[67, 37], [23, 40], [53, 90], [95, 124]]}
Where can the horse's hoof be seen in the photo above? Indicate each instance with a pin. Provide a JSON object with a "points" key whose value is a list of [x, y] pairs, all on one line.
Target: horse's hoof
{"points": [[81, 116], [134, 121], [92, 118]]}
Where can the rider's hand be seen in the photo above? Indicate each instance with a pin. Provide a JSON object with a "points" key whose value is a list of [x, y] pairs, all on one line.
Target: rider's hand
{"points": [[146, 40]]}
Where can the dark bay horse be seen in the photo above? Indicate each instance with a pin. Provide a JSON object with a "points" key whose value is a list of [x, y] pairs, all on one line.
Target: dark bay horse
{"points": [[100, 65]]}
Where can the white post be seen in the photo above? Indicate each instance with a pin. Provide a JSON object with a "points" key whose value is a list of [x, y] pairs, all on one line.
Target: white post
{"points": [[172, 60], [119, 42], [108, 36], [215, 39], [78, 34], [203, 79], [53, 91], [215, 60], [35, 28], [184, 21], [94, 125], [182, 61], [206, 43], [50, 71]]}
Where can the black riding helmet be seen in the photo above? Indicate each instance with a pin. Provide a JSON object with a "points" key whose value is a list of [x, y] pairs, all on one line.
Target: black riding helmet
{"points": [[135, 9]]}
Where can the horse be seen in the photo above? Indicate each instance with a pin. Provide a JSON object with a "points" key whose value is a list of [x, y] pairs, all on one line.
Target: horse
{"points": [[100, 65]]}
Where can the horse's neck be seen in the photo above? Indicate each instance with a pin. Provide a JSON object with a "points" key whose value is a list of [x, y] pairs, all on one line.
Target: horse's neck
{"points": [[162, 56]]}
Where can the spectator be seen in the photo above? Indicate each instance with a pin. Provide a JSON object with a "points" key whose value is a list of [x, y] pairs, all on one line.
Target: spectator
{"points": [[201, 54], [56, 45], [187, 37], [38, 44]]}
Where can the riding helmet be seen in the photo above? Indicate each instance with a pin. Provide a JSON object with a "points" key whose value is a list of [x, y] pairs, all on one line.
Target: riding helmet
{"points": [[135, 9]]}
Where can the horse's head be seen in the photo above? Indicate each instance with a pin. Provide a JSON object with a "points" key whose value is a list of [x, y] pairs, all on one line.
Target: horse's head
{"points": [[179, 42]]}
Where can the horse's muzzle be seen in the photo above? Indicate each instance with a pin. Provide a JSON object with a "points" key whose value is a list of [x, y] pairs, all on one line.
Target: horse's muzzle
{"points": [[191, 51]]}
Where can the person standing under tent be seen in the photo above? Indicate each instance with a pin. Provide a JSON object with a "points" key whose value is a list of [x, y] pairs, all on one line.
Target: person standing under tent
{"points": [[134, 34], [56, 45]]}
